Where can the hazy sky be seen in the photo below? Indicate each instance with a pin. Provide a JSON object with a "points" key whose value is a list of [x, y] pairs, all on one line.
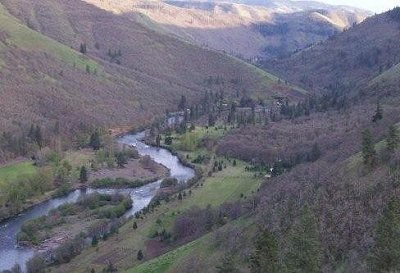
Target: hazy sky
{"points": [[373, 5]]}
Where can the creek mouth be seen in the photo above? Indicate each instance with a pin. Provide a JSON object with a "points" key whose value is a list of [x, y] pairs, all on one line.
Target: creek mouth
{"points": [[11, 253]]}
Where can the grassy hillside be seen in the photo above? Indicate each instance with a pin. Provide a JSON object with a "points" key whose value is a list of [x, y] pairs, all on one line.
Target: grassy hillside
{"points": [[128, 75]]}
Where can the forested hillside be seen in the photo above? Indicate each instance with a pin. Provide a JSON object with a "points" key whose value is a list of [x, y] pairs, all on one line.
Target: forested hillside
{"points": [[348, 60], [71, 63]]}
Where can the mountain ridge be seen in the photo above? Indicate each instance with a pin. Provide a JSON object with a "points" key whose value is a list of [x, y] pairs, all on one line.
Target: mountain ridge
{"points": [[242, 30]]}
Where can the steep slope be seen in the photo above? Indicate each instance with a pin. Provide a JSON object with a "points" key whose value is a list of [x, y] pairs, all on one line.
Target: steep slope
{"points": [[129, 74], [347, 60], [242, 30]]}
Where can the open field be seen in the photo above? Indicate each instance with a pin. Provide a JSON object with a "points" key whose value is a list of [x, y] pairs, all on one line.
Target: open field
{"points": [[13, 171], [191, 141]]}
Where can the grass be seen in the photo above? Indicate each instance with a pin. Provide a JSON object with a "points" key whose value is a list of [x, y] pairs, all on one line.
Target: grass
{"points": [[23, 37], [166, 261], [79, 158], [203, 249], [224, 186], [13, 171], [190, 141], [390, 74]]}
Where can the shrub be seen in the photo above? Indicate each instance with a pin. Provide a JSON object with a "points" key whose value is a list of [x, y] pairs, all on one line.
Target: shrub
{"points": [[36, 265], [169, 182]]}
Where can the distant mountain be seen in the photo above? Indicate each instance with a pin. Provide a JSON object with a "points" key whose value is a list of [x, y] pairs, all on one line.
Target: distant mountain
{"points": [[250, 28], [281, 4], [348, 60]]}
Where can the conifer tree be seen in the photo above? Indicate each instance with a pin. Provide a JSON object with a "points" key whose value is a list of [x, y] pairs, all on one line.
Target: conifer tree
{"points": [[95, 141], [39, 137], [265, 258], [392, 139], [378, 113], [182, 103], [83, 48], [368, 148], [140, 255], [227, 266], [304, 251], [95, 241], [83, 175], [158, 140], [385, 255]]}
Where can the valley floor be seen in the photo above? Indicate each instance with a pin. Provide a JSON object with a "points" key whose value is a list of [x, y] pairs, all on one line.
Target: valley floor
{"points": [[229, 184]]}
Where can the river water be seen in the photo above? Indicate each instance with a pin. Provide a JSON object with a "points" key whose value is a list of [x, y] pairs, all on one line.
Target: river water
{"points": [[11, 254]]}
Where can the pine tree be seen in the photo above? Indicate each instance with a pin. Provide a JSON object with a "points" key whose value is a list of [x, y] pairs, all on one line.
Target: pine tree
{"points": [[304, 251], [265, 258], [158, 140], [211, 120], [378, 113], [140, 255], [95, 141], [83, 48], [227, 266], [392, 139], [385, 255], [368, 148], [31, 133], [39, 137], [134, 226], [182, 103], [95, 241], [315, 153], [83, 175]]}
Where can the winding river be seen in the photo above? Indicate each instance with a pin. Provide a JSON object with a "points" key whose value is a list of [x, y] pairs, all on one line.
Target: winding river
{"points": [[11, 254]]}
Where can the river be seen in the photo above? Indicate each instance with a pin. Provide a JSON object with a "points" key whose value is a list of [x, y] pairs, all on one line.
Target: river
{"points": [[11, 254]]}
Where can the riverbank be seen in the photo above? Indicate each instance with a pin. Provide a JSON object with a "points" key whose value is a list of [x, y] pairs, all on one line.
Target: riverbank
{"points": [[142, 169], [141, 196], [154, 225], [89, 216]]}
